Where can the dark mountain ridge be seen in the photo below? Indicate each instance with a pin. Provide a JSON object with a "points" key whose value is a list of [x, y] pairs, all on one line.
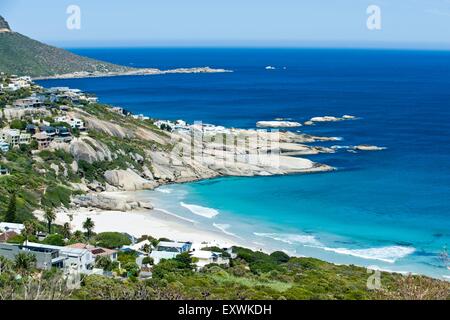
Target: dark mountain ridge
{"points": [[21, 55]]}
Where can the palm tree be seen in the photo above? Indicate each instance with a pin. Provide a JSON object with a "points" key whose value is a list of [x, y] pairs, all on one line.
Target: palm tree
{"points": [[78, 236], [89, 226], [66, 230], [30, 228], [50, 216], [24, 262]]}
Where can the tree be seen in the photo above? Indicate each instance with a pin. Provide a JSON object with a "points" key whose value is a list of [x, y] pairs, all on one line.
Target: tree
{"points": [[18, 124], [148, 260], [54, 240], [104, 262], [112, 240], [10, 215], [24, 262], [77, 236], [66, 230], [30, 228], [88, 225], [50, 216], [280, 257], [184, 261]]}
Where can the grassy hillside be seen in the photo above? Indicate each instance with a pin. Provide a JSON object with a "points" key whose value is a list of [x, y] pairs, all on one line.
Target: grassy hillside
{"points": [[21, 55]]}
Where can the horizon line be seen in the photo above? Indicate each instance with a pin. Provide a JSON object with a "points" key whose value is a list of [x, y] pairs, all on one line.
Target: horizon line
{"points": [[324, 47]]}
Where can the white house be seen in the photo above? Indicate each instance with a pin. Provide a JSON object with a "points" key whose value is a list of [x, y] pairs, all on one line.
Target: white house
{"points": [[80, 259], [139, 247], [169, 250], [74, 123], [4, 146], [7, 226], [10, 136], [204, 258], [96, 251]]}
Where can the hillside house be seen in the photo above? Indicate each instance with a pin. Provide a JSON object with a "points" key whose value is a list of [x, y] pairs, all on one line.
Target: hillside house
{"points": [[169, 250]]}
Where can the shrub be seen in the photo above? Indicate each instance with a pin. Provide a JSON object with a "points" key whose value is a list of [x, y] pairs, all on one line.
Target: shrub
{"points": [[18, 124], [55, 196], [54, 240], [112, 240], [279, 257]]}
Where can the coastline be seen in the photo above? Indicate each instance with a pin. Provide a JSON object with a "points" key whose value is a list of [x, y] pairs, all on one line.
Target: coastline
{"points": [[158, 223], [135, 72], [162, 223]]}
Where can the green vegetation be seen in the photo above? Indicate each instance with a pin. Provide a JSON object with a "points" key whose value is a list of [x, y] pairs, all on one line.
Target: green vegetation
{"points": [[54, 240], [49, 216], [21, 55], [88, 225], [10, 215], [111, 240], [8, 99], [43, 180], [34, 183], [297, 278]]}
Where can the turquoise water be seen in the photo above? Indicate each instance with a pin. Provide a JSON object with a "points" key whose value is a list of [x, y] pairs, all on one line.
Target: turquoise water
{"points": [[389, 208]]}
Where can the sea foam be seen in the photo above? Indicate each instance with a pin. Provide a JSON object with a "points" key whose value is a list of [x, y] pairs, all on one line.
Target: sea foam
{"points": [[388, 254], [290, 238], [224, 228], [200, 211], [164, 190], [174, 215]]}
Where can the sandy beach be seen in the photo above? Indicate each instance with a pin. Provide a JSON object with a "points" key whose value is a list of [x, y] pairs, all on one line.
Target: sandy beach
{"points": [[156, 223]]}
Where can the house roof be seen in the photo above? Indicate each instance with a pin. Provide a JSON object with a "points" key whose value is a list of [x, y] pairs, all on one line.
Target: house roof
{"points": [[163, 254], [172, 244], [64, 250], [203, 254], [97, 251], [5, 236], [9, 225], [40, 136]]}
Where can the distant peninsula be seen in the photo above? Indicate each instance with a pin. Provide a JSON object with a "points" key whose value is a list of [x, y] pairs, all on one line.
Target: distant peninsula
{"points": [[22, 56]]}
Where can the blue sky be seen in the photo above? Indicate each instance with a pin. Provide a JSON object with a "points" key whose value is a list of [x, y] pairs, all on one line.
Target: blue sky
{"points": [[335, 23]]}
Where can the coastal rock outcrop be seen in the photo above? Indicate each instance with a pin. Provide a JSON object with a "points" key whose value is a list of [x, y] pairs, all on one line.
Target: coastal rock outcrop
{"points": [[366, 147], [87, 149], [278, 124], [329, 119], [128, 180], [110, 203], [19, 113]]}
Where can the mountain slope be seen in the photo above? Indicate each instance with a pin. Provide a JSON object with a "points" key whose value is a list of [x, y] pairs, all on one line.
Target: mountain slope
{"points": [[4, 26], [21, 55]]}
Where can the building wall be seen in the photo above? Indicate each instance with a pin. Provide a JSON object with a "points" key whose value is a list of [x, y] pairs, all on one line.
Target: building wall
{"points": [[43, 259]]}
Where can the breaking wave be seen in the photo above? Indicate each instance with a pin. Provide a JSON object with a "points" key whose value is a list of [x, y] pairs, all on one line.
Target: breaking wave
{"points": [[174, 215], [200, 211], [224, 228], [387, 254], [164, 190], [290, 238]]}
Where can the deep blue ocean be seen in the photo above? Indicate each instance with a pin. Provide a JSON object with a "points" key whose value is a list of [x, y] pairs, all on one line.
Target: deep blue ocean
{"points": [[389, 209]]}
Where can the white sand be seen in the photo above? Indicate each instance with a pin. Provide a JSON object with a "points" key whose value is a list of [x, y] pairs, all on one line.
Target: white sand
{"points": [[155, 223]]}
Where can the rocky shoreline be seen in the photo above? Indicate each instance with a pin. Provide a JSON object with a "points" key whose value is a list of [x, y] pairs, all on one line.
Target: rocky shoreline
{"points": [[133, 72]]}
